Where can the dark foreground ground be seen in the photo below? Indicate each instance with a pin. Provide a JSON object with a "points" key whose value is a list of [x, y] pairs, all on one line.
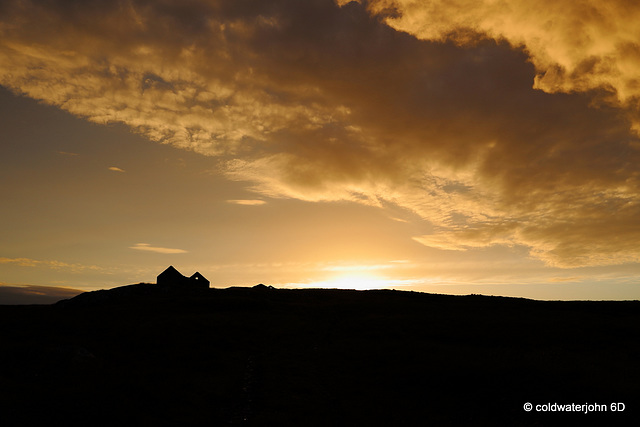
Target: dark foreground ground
{"points": [[267, 357]]}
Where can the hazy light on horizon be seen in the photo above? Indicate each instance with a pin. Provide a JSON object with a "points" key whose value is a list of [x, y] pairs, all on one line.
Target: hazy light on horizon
{"points": [[356, 282]]}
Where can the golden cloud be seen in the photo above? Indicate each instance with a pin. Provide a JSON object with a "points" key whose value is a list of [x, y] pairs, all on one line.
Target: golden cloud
{"points": [[247, 202], [160, 250], [424, 105], [574, 45]]}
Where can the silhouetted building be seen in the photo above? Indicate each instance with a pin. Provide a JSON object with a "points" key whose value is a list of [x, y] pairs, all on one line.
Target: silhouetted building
{"points": [[171, 278]]}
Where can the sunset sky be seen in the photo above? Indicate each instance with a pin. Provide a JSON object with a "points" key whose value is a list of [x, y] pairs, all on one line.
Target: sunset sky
{"points": [[476, 146]]}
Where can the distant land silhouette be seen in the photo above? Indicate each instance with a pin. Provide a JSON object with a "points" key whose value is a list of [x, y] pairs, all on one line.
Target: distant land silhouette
{"points": [[33, 294], [174, 353]]}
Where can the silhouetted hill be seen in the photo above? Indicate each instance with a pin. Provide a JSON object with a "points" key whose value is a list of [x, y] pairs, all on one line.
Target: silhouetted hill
{"points": [[130, 294], [274, 357]]}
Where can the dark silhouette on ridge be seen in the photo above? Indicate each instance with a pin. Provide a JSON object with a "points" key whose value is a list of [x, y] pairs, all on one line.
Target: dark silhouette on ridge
{"points": [[169, 282], [171, 278], [256, 356]]}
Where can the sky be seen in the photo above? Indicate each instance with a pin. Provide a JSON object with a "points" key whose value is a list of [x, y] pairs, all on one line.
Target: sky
{"points": [[477, 146]]}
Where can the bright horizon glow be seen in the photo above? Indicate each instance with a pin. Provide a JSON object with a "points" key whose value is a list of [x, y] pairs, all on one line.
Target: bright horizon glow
{"points": [[356, 281]]}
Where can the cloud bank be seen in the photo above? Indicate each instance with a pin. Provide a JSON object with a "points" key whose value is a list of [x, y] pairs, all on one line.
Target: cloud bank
{"points": [[499, 123], [31, 294]]}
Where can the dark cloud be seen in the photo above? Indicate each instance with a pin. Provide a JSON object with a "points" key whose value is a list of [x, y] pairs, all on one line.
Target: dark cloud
{"points": [[30, 294]]}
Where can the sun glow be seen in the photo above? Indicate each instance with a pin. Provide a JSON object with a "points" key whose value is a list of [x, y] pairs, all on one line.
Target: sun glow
{"points": [[355, 281]]}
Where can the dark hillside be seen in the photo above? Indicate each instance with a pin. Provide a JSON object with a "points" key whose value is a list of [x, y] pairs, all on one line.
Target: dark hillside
{"points": [[274, 357]]}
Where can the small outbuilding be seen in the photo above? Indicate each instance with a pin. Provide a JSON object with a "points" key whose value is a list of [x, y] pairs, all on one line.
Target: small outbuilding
{"points": [[172, 278]]}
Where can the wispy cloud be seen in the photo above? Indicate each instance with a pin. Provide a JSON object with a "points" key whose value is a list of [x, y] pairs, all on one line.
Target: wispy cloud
{"points": [[160, 250], [398, 219], [56, 265], [115, 169], [566, 279], [247, 202]]}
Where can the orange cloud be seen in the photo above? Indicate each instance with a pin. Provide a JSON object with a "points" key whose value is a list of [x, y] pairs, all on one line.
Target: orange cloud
{"points": [[247, 202], [496, 125], [160, 250], [574, 45]]}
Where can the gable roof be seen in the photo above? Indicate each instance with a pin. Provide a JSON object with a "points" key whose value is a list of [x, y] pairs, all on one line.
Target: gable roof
{"points": [[171, 272]]}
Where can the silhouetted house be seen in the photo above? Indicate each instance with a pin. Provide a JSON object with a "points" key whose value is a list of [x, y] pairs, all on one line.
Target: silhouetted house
{"points": [[199, 281], [172, 278]]}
